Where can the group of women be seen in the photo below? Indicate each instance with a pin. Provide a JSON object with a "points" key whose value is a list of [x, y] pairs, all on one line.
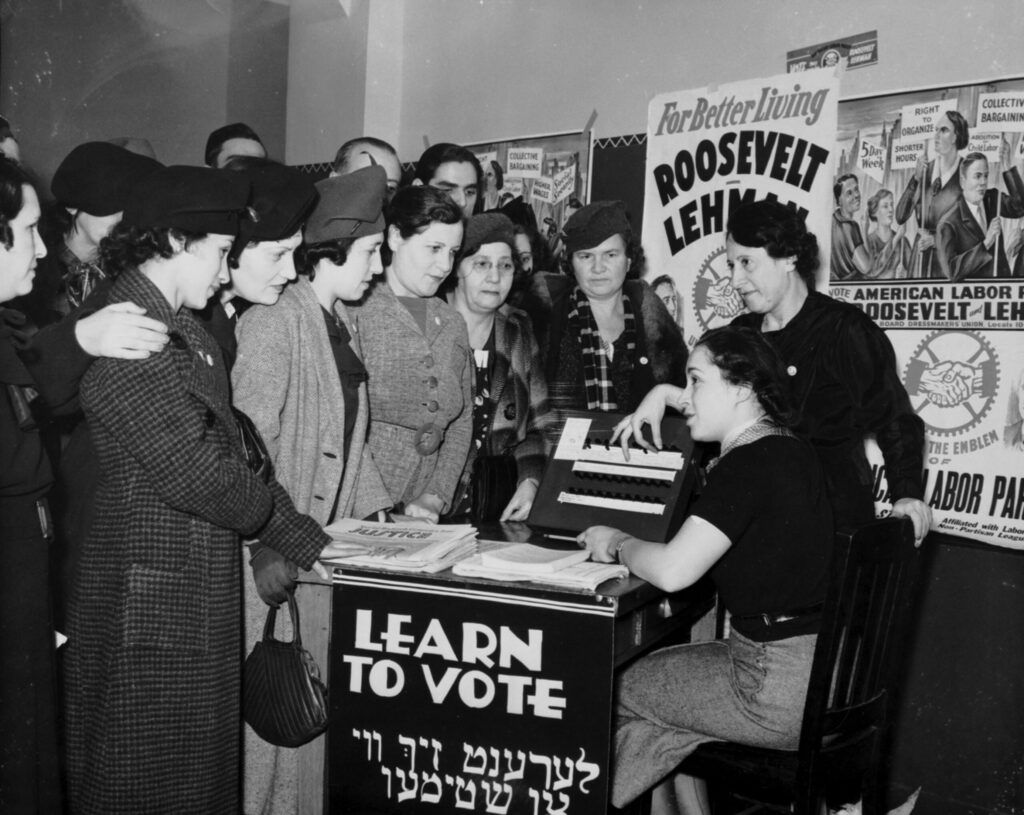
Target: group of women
{"points": [[389, 395]]}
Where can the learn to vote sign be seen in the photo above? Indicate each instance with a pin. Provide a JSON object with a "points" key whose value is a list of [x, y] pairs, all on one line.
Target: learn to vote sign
{"points": [[449, 698], [708, 151]]}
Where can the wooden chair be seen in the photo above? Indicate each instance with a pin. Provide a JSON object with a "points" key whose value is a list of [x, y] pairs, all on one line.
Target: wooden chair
{"points": [[849, 698]]}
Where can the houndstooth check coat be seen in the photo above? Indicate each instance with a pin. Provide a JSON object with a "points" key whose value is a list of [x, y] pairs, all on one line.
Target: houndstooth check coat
{"points": [[155, 650]]}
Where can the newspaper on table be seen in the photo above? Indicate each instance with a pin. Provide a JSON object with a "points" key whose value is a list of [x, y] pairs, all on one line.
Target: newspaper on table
{"points": [[585, 576], [393, 547]]}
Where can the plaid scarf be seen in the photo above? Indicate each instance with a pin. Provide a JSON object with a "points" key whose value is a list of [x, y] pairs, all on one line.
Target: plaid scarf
{"points": [[596, 368]]}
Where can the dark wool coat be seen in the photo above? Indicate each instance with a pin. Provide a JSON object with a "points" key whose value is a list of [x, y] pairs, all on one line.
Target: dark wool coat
{"points": [[154, 657], [660, 354]]}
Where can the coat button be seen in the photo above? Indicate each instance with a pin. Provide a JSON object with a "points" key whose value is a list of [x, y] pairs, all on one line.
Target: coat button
{"points": [[433, 406], [428, 361], [209, 418], [431, 382]]}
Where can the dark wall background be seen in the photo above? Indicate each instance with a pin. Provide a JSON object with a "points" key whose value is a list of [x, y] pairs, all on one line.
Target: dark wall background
{"points": [[169, 71]]}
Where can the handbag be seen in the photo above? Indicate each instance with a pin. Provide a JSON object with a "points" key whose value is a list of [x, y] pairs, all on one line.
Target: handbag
{"points": [[493, 482], [283, 699], [253, 449]]}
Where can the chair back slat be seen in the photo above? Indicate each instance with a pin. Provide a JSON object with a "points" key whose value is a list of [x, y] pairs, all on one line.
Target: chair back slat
{"points": [[873, 572]]}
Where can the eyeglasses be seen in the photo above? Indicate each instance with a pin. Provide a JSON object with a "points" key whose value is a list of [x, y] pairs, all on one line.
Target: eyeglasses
{"points": [[484, 266]]}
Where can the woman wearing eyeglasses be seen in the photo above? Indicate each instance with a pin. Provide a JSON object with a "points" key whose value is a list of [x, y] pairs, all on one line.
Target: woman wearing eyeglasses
{"points": [[510, 404]]}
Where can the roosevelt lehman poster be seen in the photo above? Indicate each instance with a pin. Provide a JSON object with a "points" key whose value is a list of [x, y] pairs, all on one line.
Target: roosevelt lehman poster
{"points": [[917, 200]]}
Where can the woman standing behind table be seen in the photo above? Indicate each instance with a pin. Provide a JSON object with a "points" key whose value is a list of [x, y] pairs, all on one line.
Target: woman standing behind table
{"points": [[510, 410], [762, 529], [605, 338], [153, 662], [417, 355]]}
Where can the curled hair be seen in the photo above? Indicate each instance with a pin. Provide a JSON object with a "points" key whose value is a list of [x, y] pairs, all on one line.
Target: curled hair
{"points": [[744, 357], [875, 200], [415, 208], [13, 180], [960, 129], [128, 247], [780, 231], [307, 256], [634, 252]]}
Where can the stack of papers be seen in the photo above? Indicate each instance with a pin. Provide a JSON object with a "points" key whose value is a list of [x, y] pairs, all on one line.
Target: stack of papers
{"points": [[426, 548], [551, 567]]}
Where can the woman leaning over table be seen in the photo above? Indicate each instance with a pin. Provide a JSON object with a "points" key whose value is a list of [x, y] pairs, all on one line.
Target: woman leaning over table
{"points": [[417, 355], [762, 529], [510, 408], [153, 662]]}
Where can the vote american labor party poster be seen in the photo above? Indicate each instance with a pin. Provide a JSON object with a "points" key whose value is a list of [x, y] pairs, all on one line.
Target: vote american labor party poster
{"points": [[917, 200]]}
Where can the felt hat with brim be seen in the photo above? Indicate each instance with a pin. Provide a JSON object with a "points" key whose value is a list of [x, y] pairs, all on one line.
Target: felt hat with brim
{"points": [[194, 199], [350, 206], [97, 177]]}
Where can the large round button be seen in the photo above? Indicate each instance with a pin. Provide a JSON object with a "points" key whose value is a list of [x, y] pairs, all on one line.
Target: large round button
{"points": [[428, 361], [433, 406], [432, 382]]}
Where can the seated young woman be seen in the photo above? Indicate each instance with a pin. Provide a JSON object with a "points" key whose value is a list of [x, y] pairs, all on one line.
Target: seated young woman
{"points": [[762, 529]]}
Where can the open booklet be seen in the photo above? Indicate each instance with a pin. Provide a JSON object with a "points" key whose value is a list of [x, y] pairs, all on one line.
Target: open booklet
{"points": [[497, 561], [403, 547]]}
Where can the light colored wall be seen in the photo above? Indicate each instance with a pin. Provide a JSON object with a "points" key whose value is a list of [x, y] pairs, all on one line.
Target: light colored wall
{"points": [[479, 69], [327, 81]]}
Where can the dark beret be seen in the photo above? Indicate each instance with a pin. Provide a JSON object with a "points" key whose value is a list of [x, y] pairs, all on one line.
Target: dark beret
{"points": [[488, 227], [97, 177], [195, 199], [282, 197], [594, 224], [350, 206]]}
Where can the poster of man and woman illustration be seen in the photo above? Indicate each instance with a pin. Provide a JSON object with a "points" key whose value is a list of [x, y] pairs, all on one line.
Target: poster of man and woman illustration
{"points": [[917, 200]]}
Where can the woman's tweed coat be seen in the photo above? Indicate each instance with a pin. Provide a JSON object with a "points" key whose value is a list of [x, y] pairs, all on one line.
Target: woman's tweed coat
{"points": [[154, 657], [523, 421], [416, 380], [286, 380]]}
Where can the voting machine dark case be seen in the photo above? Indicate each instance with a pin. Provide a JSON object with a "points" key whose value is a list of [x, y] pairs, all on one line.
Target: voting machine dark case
{"points": [[588, 481]]}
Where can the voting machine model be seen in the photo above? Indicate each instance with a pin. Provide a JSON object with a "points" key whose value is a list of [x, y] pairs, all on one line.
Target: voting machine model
{"points": [[588, 481]]}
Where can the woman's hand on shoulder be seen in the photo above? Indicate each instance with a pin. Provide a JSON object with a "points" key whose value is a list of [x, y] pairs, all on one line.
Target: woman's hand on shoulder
{"points": [[519, 507], [121, 331]]}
